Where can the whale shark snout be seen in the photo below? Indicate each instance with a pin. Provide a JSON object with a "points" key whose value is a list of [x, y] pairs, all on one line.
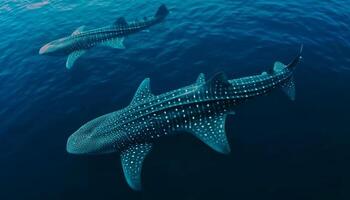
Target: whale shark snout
{"points": [[72, 146], [80, 142], [44, 49], [90, 138], [55, 47]]}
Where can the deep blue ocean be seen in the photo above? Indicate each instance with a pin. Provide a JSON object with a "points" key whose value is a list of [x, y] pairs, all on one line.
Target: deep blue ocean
{"points": [[280, 149]]}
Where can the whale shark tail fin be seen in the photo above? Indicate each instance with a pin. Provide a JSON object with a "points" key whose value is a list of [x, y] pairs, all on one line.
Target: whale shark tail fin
{"points": [[162, 12], [289, 88], [297, 59], [278, 66]]}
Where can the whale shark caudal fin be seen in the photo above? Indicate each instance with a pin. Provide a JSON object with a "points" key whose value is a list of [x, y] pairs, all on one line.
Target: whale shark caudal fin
{"points": [[289, 88], [72, 57], [116, 43], [132, 159], [297, 58], [78, 30]]}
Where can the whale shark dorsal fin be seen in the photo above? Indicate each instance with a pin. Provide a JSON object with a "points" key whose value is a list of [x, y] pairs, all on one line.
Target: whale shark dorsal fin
{"points": [[143, 92], [200, 79], [211, 131], [78, 30], [72, 57], [116, 43], [132, 159], [218, 82], [121, 22]]}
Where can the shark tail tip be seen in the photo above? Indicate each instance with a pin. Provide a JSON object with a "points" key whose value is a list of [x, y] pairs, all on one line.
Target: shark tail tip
{"points": [[297, 59]]}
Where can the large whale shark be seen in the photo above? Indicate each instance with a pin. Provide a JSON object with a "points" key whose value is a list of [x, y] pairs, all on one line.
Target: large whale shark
{"points": [[200, 109], [113, 36]]}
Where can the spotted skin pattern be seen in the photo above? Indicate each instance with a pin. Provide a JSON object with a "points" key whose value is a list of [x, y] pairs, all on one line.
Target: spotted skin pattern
{"points": [[91, 38], [200, 109]]}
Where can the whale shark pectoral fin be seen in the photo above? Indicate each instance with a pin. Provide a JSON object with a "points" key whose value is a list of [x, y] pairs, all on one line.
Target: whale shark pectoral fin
{"points": [[132, 159], [289, 88], [116, 43], [72, 57], [143, 92], [78, 30], [211, 131]]}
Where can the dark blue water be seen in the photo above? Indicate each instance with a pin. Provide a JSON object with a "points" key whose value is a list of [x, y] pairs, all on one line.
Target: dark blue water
{"points": [[280, 149]]}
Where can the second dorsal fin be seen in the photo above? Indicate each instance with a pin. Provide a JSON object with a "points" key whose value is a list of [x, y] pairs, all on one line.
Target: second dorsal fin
{"points": [[120, 22], [218, 82]]}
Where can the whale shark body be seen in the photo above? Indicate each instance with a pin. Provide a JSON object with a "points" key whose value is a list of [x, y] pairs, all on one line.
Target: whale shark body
{"points": [[200, 109], [112, 36]]}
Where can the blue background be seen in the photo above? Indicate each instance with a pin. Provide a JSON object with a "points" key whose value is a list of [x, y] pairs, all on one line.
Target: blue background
{"points": [[280, 149]]}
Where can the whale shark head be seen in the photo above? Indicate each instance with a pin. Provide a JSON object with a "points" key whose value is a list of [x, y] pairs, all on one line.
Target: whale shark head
{"points": [[56, 46], [91, 138]]}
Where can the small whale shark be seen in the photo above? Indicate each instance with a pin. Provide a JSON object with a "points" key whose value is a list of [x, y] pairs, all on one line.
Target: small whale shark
{"points": [[199, 109], [112, 36]]}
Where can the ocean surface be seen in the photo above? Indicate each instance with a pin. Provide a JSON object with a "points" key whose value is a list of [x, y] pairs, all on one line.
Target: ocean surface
{"points": [[280, 149]]}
